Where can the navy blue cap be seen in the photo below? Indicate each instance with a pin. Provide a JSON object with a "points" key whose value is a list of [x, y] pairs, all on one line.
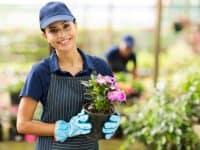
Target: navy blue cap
{"points": [[129, 40], [54, 11]]}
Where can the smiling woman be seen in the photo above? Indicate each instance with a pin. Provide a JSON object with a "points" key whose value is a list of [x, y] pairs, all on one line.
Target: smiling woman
{"points": [[56, 83], [61, 34]]}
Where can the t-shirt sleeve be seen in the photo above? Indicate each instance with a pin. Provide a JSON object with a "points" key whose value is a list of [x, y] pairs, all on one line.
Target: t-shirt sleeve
{"points": [[102, 67], [33, 85], [107, 69]]}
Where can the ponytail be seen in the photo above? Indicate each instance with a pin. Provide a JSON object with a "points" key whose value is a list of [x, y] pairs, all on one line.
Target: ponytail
{"points": [[51, 49]]}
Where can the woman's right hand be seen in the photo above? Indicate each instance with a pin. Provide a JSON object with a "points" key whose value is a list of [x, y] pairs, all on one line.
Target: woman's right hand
{"points": [[78, 125]]}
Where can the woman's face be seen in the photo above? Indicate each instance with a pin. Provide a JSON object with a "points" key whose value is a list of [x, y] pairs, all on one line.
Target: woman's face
{"points": [[61, 35]]}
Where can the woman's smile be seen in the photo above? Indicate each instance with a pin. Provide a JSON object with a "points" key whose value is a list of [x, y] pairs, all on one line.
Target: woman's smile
{"points": [[65, 41]]}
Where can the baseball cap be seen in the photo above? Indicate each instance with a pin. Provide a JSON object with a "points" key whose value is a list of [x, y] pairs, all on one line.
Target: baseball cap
{"points": [[54, 11], [129, 40]]}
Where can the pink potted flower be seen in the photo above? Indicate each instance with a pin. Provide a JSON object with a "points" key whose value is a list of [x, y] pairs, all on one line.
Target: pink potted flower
{"points": [[103, 92]]}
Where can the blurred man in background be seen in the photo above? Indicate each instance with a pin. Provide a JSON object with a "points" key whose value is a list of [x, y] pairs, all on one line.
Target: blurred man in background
{"points": [[118, 56]]}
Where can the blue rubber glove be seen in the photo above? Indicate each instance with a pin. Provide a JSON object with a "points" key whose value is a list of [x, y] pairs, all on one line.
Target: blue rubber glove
{"points": [[111, 125], [77, 125]]}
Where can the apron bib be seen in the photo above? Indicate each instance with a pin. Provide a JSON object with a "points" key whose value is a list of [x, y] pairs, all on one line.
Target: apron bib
{"points": [[64, 100]]}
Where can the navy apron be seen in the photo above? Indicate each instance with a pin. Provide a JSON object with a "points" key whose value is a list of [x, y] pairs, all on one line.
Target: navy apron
{"points": [[64, 100]]}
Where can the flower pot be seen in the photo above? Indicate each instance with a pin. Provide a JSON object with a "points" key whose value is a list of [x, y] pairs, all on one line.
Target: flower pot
{"points": [[15, 98], [97, 120]]}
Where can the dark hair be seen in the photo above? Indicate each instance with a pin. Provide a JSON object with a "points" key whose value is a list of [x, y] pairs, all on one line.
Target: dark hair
{"points": [[51, 49]]}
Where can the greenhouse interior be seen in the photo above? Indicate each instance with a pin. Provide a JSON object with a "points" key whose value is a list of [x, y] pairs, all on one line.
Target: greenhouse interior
{"points": [[161, 107]]}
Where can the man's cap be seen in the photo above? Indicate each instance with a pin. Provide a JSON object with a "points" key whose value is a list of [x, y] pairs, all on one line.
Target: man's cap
{"points": [[129, 40], [54, 11]]}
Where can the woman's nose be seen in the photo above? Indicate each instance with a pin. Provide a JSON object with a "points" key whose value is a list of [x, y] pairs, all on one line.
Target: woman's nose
{"points": [[61, 33]]}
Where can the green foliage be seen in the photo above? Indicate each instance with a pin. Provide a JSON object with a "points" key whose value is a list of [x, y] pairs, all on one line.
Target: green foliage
{"points": [[22, 45], [38, 112], [104, 92], [137, 86], [192, 75], [15, 87], [191, 89], [162, 124], [193, 101], [145, 59], [174, 59], [34, 47], [127, 83], [97, 94], [187, 84]]}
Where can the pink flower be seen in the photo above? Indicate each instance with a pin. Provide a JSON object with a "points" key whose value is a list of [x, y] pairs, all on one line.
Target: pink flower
{"points": [[129, 90], [116, 96], [113, 87], [105, 79], [110, 79], [100, 79]]}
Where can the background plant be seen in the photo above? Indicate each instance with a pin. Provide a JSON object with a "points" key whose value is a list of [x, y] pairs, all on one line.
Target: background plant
{"points": [[190, 87], [15, 87], [126, 82], [162, 123]]}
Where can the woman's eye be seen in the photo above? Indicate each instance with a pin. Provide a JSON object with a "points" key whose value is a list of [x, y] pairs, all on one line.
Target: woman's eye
{"points": [[66, 26], [53, 31]]}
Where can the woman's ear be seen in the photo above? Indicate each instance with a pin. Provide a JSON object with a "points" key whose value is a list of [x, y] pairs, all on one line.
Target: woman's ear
{"points": [[76, 25], [44, 35]]}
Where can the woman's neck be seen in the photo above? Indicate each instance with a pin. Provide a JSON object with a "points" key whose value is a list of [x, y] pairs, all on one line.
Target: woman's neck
{"points": [[70, 61], [68, 58]]}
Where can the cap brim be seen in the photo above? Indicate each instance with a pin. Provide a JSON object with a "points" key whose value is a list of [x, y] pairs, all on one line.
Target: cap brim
{"points": [[53, 19]]}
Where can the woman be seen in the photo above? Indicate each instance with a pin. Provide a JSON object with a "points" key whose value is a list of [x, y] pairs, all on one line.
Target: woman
{"points": [[55, 82]]}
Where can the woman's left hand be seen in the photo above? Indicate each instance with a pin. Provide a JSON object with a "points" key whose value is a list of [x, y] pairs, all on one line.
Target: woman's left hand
{"points": [[111, 125]]}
